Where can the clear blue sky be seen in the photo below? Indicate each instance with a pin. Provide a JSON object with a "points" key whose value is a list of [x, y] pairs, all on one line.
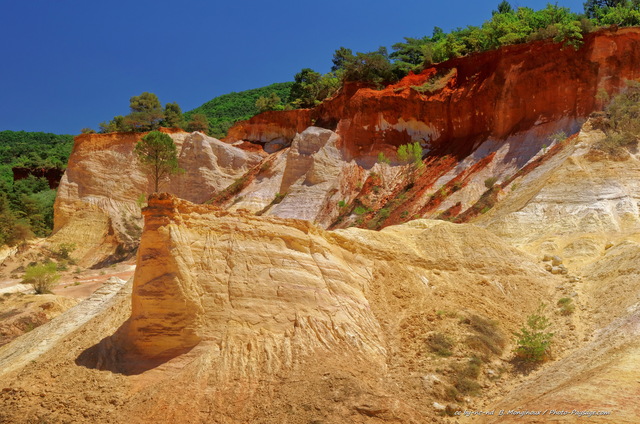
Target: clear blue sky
{"points": [[69, 64]]}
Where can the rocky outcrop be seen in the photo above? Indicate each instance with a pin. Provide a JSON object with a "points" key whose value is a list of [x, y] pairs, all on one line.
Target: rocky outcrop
{"points": [[290, 308], [306, 181], [479, 118], [573, 205], [275, 130], [494, 94], [247, 301], [100, 196]]}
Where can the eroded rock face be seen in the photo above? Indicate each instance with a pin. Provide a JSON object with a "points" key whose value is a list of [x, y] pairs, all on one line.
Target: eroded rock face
{"points": [[99, 198], [572, 205], [492, 94], [297, 323], [206, 275]]}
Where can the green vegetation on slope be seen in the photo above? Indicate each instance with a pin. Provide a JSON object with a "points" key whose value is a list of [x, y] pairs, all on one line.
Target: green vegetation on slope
{"points": [[620, 122], [26, 206], [223, 111], [508, 25]]}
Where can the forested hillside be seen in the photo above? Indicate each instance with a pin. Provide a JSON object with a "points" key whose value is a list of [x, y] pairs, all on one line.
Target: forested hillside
{"points": [[26, 206], [225, 110]]}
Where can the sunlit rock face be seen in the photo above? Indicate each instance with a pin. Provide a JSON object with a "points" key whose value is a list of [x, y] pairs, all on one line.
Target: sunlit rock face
{"points": [[101, 193], [492, 94]]}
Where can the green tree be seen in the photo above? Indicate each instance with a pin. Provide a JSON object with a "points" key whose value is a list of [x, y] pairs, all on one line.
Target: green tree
{"points": [[504, 7], [373, 67], [270, 102], [594, 8], [117, 124], [411, 153], [310, 88], [146, 112], [41, 277], [340, 58], [533, 342], [304, 91], [158, 154], [409, 56], [198, 122], [173, 116], [620, 16]]}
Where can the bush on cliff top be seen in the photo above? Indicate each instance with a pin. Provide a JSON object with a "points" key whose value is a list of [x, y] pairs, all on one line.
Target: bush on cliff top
{"points": [[507, 26]]}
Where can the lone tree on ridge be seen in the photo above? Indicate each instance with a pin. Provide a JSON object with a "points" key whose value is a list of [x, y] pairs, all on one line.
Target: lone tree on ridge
{"points": [[158, 154]]}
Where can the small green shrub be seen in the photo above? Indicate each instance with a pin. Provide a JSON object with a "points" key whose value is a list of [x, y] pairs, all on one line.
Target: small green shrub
{"points": [[360, 210], [566, 306], [411, 153], [404, 214], [467, 386], [384, 213], [558, 137], [487, 339], [440, 344], [451, 393], [342, 204], [63, 251], [383, 159], [489, 182], [141, 201], [435, 83], [41, 277], [278, 198], [533, 342]]}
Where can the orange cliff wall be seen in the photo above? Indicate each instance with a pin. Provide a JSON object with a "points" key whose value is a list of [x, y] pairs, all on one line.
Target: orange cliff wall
{"points": [[490, 94]]}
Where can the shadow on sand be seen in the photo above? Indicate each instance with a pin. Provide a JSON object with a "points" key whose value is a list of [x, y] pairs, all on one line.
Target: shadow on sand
{"points": [[114, 353]]}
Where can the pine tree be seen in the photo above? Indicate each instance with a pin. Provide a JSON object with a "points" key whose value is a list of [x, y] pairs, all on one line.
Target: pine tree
{"points": [[158, 154]]}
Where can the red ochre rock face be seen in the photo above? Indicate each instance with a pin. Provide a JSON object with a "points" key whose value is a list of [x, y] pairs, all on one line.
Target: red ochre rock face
{"points": [[463, 101]]}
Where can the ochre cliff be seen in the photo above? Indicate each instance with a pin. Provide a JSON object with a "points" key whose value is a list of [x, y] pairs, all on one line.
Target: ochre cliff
{"points": [[291, 322], [100, 195], [478, 118], [258, 313], [487, 95]]}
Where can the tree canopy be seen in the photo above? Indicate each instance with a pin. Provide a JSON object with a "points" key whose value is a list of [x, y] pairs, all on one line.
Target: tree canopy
{"points": [[157, 153], [173, 116], [270, 102], [26, 206], [146, 114], [198, 122]]}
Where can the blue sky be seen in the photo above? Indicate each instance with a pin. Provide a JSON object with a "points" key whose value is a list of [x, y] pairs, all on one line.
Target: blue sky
{"points": [[69, 64]]}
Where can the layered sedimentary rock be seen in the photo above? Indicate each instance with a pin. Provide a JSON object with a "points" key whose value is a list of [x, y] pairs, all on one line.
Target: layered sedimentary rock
{"points": [[576, 204], [481, 117], [305, 181], [100, 195], [464, 101], [203, 275]]}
